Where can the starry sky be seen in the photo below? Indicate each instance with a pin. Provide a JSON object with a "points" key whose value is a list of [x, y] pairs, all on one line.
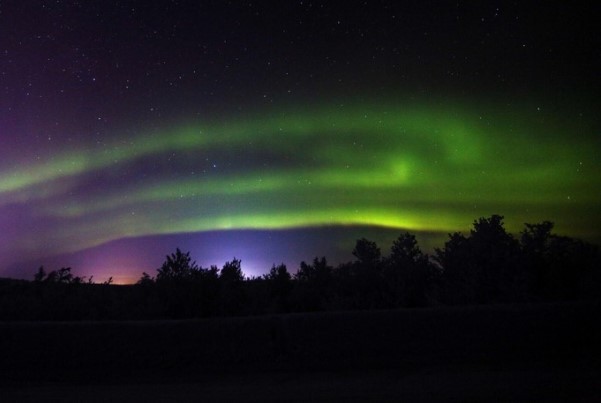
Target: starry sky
{"points": [[276, 131]]}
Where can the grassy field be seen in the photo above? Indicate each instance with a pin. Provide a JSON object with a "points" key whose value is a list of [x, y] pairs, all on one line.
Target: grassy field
{"points": [[548, 352]]}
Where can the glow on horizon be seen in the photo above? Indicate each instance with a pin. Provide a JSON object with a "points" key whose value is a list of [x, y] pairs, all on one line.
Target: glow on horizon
{"points": [[423, 168]]}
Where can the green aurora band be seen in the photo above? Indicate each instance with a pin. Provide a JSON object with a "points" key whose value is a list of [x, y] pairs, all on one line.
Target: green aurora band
{"points": [[420, 168]]}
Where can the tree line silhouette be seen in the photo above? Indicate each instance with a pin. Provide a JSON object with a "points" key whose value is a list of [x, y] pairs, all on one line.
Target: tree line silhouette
{"points": [[487, 266]]}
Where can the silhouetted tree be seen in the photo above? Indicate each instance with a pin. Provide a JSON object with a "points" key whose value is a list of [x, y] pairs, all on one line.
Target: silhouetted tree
{"points": [[367, 252], [459, 279], [535, 241], [232, 272], [405, 250], [231, 280], [64, 275], [176, 288], [209, 286], [535, 238], [61, 276], [409, 277], [313, 289], [485, 267], [145, 279], [280, 287], [344, 281], [559, 267], [366, 271], [497, 253], [40, 275], [176, 267]]}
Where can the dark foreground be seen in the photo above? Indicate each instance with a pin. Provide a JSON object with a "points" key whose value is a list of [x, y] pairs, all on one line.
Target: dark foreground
{"points": [[548, 352]]}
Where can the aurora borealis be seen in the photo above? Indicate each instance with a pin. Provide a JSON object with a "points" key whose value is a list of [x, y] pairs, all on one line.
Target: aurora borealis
{"points": [[137, 139]]}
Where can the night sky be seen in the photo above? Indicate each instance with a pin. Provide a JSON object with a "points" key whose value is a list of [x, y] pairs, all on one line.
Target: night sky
{"points": [[275, 131]]}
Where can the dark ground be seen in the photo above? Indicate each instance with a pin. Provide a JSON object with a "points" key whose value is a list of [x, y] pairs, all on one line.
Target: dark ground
{"points": [[542, 352]]}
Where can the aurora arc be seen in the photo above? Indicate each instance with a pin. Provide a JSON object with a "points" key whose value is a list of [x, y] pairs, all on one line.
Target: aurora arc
{"points": [[418, 168]]}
